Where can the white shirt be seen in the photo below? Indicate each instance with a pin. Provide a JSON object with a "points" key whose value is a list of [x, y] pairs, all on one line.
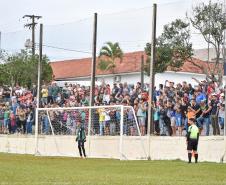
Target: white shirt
{"points": [[221, 113], [107, 117]]}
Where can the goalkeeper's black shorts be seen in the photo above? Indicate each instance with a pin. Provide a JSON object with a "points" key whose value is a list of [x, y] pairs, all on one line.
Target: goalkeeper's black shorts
{"points": [[192, 144]]}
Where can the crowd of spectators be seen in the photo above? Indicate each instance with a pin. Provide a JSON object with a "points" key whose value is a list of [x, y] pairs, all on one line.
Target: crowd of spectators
{"points": [[173, 105], [17, 109]]}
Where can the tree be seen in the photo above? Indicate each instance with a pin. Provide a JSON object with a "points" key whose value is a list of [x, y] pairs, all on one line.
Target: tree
{"points": [[21, 68], [209, 20], [108, 55], [173, 47]]}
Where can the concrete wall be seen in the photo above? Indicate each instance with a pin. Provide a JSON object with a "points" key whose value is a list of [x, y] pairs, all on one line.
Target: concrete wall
{"points": [[135, 148], [133, 78], [177, 77]]}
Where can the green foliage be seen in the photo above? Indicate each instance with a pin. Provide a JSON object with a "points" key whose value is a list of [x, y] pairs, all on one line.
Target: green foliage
{"points": [[209, 20], [21, 68], [105, 65], [108, 54], [173, 47]]}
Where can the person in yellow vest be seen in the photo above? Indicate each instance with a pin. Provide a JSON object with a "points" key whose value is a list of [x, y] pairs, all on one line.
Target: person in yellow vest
{"points": [[192, 140], [102, 114], [44, 93]]}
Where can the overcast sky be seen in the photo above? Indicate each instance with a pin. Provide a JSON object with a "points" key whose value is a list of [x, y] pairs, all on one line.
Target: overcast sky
{"points": [[68, 23]]}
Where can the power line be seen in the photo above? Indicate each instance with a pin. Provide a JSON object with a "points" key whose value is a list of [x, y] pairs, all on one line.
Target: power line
{"points": [[32, 27], [70, 22], [66, 49]]}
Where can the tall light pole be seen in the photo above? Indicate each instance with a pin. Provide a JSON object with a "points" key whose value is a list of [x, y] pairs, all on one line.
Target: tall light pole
{"points": [[151, 84], [39, 64], [38, 87], [93, 76], [224, 64], [93, 67]]}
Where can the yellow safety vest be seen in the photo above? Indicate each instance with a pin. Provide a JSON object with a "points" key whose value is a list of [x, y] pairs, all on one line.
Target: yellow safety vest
{"points": [[194, 130]]}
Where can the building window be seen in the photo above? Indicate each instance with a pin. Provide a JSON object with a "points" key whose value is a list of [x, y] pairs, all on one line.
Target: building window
{"points": [[117, 78]]}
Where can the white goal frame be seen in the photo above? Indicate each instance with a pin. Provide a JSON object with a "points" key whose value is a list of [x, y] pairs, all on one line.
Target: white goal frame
{"points": [[122, 157]]}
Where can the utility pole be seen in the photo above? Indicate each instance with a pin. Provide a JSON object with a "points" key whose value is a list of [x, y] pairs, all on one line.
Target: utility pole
{"points": [[142, 72], [32, 27], [151, 84], [93, 76]]}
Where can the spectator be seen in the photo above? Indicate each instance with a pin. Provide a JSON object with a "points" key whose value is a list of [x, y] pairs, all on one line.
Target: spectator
{"points": [[113, 121], [34, 90], [84, 101], [107, 121], [213, 114], [50, 93], [141, 114], [178, 118], [55, 91], [44, 93], [106, 97], [156, 119], [204, 118], [45, 121], [12, 122], [221, 114], [1, 118], [115, 89], [22, 120], [30, 120], [162, 118], [101, 121], [199, 96], [6, 119], [171, 116]]}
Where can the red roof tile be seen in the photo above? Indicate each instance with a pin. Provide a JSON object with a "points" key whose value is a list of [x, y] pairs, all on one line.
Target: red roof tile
{"points": [[81, 67], [131, 63], [191, 68]]}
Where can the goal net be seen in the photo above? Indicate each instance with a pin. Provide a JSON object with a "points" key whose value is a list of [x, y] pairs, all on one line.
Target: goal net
{"points": [[111, 132]]}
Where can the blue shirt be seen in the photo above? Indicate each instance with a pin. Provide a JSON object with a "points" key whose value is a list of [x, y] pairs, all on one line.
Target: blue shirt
{"points": [[178, 114], [14, 107], [200, 97]]}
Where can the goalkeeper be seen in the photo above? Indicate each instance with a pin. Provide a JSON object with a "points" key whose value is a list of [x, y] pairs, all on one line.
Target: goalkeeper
{"points": [[81, 139], [192, 140]]}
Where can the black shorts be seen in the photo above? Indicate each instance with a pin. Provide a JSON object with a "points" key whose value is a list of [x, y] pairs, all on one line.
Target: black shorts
{"points": [[192, 144]]}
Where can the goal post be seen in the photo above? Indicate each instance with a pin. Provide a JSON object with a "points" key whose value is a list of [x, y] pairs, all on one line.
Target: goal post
{"points": [[112, 132]]}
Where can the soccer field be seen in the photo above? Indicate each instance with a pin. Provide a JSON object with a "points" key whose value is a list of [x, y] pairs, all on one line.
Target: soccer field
{"points": [[31, 170]]}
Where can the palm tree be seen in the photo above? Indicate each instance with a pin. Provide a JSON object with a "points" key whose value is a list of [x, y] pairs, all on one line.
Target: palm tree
{"points": [[108, 55]]}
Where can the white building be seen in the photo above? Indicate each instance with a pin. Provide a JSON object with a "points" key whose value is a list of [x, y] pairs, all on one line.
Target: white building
{"points": [[129, 70]]}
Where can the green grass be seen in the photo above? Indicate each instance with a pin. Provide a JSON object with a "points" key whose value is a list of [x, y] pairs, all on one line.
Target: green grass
{"points": [[31, 170]]}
